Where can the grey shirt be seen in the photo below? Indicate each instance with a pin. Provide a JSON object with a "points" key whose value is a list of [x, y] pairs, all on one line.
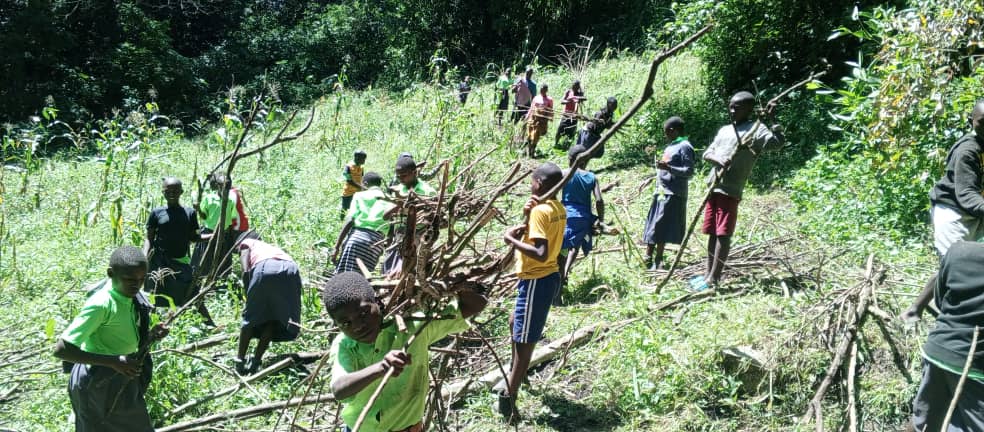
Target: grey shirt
{"points": [[742, 159], [680, 157]]}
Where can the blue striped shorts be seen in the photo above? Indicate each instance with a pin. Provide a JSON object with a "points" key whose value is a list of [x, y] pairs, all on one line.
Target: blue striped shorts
{"points": [[532, 307]]}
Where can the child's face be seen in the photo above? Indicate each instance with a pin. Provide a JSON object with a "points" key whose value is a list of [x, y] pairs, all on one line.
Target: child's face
{"points": [[535, 185], [127, 280], [360, 159], [360, 321], [671, 134], [407, 178], [172, 193]]}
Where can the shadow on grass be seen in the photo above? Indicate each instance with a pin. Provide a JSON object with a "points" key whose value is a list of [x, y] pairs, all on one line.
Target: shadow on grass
{"points": [[595, 288], [571, 416]]}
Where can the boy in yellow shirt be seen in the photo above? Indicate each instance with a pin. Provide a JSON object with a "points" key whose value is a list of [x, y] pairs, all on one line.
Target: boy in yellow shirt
{"points": [[353, 180], [539, 277]]}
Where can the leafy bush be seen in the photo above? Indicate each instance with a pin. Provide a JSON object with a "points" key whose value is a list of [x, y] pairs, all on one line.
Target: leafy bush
{"points": [[899, 113]]}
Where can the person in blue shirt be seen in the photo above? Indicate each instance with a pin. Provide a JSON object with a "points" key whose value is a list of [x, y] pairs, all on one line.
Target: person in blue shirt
{"points": [[577, 197]]}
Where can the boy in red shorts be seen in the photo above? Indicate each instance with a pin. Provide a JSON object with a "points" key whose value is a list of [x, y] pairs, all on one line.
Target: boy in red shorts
{"points": [[734, 162]]}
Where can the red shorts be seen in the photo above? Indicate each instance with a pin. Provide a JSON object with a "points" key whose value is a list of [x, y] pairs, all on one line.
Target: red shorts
{"points": [[720, 215]]}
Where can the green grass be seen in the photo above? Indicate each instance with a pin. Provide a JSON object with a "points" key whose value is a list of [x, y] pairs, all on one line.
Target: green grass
{"points": [[662, 372]]}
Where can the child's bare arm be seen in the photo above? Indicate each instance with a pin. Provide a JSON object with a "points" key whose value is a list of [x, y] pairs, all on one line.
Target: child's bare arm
{"points": [[350, 384], [537, 250], [342, 236], [125, 365]]}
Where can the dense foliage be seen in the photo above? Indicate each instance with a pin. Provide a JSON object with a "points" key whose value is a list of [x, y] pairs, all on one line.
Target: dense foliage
{"points": [[93, 56], [900, 111]]}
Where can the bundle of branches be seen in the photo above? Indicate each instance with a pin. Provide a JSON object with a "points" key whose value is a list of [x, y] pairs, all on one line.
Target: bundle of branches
{"points": [[438, 243], [840, 323], [777, 258]]}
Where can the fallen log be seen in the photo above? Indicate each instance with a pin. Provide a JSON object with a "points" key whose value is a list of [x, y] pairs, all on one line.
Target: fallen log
{"points": [[461, 388], [245, 413]]}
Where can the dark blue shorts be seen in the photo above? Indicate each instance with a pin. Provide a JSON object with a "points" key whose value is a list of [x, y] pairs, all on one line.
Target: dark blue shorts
{"points": [[577, 234], [532, 307]]}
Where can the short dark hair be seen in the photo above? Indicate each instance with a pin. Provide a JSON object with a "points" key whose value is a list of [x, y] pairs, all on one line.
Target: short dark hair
{"points": [[612, 101], [675, 123], [126, 257], [346, 288], [360, 153], [372, 179], [544, 88], [217, 178], [743, 97], [549, 174], [404, 163], [170, 180]]}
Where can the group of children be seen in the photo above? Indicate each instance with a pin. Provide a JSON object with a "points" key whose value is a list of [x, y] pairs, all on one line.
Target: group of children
{"points": [[111, 334], [535, 108]]}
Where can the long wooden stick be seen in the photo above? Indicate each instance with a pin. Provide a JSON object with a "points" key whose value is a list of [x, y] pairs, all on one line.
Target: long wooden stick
{"points": [[245, 413], [647, 93], [963, 379]]}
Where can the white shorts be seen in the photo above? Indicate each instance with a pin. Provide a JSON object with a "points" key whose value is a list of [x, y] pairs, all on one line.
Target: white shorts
{"points": [[951, 225]]}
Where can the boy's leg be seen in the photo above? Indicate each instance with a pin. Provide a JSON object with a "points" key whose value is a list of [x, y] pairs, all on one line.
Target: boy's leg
{"points": [[711, 252], [720, 257], [520, 364]]}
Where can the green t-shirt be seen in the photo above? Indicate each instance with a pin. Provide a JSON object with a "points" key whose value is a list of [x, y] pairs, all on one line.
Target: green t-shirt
{"points": [[368, 210], [422, 189], [107, 324], [503, 83], [401, 403], [211, 207]]}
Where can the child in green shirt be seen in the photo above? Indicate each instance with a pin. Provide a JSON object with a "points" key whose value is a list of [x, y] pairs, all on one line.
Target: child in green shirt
{"points": [[103, 343], [369, 347]]}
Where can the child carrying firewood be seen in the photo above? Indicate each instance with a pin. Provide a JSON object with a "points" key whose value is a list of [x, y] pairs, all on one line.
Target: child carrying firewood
{"points": [[369, 347], [538, 244]]}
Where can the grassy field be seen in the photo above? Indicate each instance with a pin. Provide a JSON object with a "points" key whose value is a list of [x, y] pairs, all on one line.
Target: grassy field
{"points": [[664, 370]]}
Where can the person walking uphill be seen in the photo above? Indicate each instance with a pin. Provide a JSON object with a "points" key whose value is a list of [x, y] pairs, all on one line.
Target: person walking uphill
{"points": [[960, 299], [957, 204], [667, 217], [537, 246], [272, 312], [733, 162], [101, 345], [577, 197]]}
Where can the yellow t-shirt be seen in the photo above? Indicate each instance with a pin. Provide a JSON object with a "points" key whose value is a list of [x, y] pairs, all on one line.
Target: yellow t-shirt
{"points": [[352, 172], [547, 221]]}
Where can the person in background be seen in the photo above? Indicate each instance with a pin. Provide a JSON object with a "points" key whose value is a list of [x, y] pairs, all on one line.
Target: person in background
{"points": [[210, 210], [502, 86], [538, 119], [666, 221], [568, 121], [525, 89], [352, 175], [464, 88]]}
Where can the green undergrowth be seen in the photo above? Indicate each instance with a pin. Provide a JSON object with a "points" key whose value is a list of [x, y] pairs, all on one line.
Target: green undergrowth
{"points": [[62, 215]]}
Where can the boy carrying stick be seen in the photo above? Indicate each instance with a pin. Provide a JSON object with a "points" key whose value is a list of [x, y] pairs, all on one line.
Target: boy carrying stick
{"points": [[538, 244]]}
